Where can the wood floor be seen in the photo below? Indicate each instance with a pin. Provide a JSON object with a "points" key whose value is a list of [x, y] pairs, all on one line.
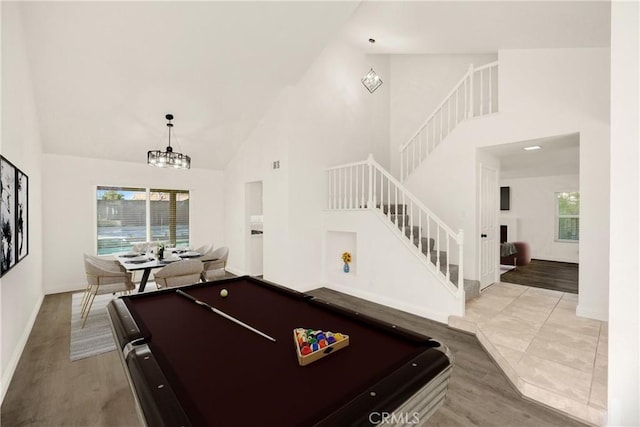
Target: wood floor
{"points": [[557, 276], [49, 390]]}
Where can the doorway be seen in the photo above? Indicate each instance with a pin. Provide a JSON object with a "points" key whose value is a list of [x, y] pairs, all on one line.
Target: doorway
{"points": [[542, 178], [255, 225], [488, 225]]}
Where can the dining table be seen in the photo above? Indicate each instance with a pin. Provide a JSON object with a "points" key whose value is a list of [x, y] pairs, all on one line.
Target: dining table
{"points": [[136, 261]]}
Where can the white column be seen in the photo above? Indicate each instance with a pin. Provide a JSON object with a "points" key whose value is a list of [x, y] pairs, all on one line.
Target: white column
{"points": [[624, 276]]}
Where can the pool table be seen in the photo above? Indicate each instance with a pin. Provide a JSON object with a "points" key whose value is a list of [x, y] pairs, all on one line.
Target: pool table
{"points": [[188, 366]]}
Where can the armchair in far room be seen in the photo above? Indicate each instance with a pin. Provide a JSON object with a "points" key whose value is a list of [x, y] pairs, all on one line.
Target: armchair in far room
{"points": [[180, 273], [215, 269], [515, 253]]}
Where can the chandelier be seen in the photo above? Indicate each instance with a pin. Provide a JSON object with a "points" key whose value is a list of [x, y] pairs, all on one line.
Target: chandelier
{"points": [[371, 80], [168, 158]]}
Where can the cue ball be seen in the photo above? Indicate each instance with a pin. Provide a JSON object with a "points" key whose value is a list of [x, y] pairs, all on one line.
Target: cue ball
{"points": [[224, 293]]}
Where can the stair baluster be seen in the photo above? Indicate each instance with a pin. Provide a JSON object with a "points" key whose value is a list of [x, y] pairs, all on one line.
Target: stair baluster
{"points": [[470, 72], [447, 261], [419, 231], [395, 218], [438, 249], [460, 259]]}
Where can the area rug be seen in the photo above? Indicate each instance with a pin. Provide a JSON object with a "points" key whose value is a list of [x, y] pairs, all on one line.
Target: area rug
{"points": [[95, 338]]}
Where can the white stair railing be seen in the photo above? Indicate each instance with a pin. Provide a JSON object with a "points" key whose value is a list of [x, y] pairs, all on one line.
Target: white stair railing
{"points": [[367, 185], [475, 95]]}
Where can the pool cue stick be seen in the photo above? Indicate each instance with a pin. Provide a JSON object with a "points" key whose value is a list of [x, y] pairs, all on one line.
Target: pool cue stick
{"points": [[223, 314]]}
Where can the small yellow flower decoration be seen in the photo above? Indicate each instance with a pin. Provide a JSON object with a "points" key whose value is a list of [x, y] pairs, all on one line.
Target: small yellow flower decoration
{"points": [[346, 257]]}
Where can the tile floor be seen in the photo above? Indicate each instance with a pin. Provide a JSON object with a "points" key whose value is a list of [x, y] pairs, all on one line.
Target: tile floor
{"points": [[549, 354]]}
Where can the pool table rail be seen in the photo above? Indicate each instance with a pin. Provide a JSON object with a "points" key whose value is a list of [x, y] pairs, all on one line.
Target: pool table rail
{"points": [[155, 401], [412, 393]]}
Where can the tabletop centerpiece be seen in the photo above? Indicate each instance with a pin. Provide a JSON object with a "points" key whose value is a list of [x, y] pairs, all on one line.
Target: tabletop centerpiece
{"points": [[160, 252]]}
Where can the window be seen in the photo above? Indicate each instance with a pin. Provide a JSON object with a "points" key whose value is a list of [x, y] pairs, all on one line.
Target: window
{"points": [[127, 215], [170, 216], [568, 216]]}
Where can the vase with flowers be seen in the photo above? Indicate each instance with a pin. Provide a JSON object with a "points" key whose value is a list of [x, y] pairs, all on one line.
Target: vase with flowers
{"points": [[346, 258], [160, 252]]}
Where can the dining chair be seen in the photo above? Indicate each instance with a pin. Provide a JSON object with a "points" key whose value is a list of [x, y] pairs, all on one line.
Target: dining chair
{"points": [[103, 278], [107, 262], [215, 269], [103, 260], [179, 273], [203, 249]]}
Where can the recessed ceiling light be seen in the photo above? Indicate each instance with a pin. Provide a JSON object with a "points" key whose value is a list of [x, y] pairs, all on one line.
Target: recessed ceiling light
{"points": [[533, 147]]}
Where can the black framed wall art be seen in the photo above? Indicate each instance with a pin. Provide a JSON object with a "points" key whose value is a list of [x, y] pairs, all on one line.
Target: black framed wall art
{"points": [[22, 214], [14, 215]]}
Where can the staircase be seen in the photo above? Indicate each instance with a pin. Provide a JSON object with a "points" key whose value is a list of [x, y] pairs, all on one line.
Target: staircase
{"points": [[367, 185], [475, 95], [427, 245]]}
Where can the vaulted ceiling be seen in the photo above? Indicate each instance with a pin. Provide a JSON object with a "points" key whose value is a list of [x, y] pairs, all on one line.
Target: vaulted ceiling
{"points": [[106, 73]]}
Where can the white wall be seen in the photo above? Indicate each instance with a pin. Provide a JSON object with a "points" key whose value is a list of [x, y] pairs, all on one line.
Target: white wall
{"points": [[21, 289], [543, 93], [69, 200], [624, 276], [419, 84], [327, 118], [533, 204], [268, 143], [383, 268]]}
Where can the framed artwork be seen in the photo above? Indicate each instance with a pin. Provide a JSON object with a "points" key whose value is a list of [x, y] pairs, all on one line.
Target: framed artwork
{"points": [[7, 215], [22, 214], [14, 215]]}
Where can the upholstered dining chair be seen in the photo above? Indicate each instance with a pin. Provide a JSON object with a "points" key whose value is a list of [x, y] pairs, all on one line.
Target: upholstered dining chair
{"points": [[203, 249], [103, 260], [179, 273], [107, 262], [215, 269], [103, 277]]}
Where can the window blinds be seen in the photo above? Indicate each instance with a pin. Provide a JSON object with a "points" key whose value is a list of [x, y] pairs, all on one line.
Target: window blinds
{"points": [[122, 217]]}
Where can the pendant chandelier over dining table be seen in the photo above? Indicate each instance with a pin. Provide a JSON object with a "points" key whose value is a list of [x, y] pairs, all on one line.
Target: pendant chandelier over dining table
{"points": [[168, 158]]}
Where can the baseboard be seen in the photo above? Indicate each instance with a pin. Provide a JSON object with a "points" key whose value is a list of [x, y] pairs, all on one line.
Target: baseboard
{"points": [[17, 353], [67, 288], [556, 259], [399, 305], [591, 314]]}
